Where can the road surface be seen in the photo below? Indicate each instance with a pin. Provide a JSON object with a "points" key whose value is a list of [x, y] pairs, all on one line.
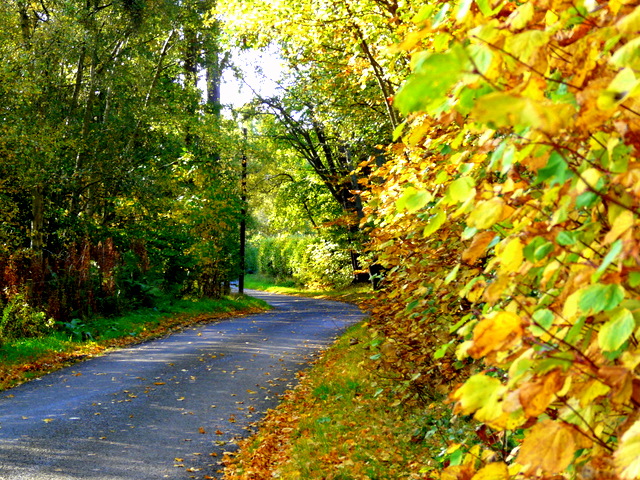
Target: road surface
{"points": [[167, 408]]}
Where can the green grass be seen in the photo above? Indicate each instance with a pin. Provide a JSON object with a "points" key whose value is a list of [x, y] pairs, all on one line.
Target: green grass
{"points": [[351, 293], [23, 359], [342, 422]]}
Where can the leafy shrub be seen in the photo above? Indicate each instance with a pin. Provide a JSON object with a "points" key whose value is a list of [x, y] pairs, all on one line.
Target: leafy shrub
{"points": [[322, 263], [21, 320], [309, 260]]}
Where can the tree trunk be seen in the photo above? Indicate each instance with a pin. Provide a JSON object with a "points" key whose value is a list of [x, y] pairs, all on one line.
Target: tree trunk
{"points": [[37, 221]]}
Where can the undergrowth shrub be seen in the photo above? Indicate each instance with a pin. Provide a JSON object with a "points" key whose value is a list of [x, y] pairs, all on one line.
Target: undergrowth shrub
{"points": [[21, 320], [309, 260]]}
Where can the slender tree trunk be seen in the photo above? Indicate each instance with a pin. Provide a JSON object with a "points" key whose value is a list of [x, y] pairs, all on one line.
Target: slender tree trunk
{"points": [[37, 221]]}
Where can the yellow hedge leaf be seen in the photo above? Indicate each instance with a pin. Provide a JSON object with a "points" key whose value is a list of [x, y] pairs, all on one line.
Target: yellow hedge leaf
{"points": [[493, 471], [627, 456], [486, 214], [630, 24], [512, 256], [496, 333], [549, 447], [481, 395], [621, 223]]}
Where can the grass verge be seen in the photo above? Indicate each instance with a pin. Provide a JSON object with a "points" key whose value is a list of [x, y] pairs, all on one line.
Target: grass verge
{"points": [[352, 293], [24, 359], [343, 421]]}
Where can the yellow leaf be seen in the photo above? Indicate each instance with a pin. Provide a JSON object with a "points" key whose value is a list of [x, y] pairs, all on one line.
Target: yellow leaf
{"points": [[460, 190], [627, 456], [496, 333], [630, 24], [592, 390], [621, 223], [493, 471], [549, 447], [588, 178], [571, 309], [486, 213], [494, 290], [481, 395], [512, 256]]}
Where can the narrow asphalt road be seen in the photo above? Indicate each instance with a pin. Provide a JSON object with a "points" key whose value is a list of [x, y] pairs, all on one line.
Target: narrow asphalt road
{"points": [[167, 408]]}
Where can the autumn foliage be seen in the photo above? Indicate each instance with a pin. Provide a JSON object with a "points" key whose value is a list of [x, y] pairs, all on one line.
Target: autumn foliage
{"points": [[508, 221]]}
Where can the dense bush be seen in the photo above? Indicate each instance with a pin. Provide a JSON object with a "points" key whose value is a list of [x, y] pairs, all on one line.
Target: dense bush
{"points": [[309, 260], [20, 320]]}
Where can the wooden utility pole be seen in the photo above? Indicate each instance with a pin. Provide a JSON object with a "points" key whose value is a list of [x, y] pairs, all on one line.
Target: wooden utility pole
{"points": [[243, 214]]}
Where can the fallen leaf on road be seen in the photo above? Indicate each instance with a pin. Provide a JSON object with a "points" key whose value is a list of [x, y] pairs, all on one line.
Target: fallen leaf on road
{"points": [[47, 420], [202, 430], [159, 383]]}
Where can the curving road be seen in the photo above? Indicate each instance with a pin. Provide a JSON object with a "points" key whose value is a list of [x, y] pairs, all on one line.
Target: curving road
{"points": [[167, 408]]}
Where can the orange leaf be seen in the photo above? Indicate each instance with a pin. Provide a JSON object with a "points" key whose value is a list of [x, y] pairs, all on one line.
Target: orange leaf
{"points": [[477, 247], [496, 333], [549, 447], [536, 396]]}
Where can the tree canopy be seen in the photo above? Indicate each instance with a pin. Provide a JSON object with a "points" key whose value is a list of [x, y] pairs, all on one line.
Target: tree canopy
{"points": [[109, 154]]}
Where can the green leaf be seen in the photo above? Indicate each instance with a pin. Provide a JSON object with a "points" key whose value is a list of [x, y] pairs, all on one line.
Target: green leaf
{"points": [[463, 9], [397, 132], [600, 298], [556, 171], [442, 350], [544, 318], [423, 14], [413, 200], [615, 250], [617, 330], [486, 8], [460, 190], [452, 275], [575, 330], [482, 57], [435, 222], [469, 232], [537, 249], [432, 79], [566, 238], [586, 199]]}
